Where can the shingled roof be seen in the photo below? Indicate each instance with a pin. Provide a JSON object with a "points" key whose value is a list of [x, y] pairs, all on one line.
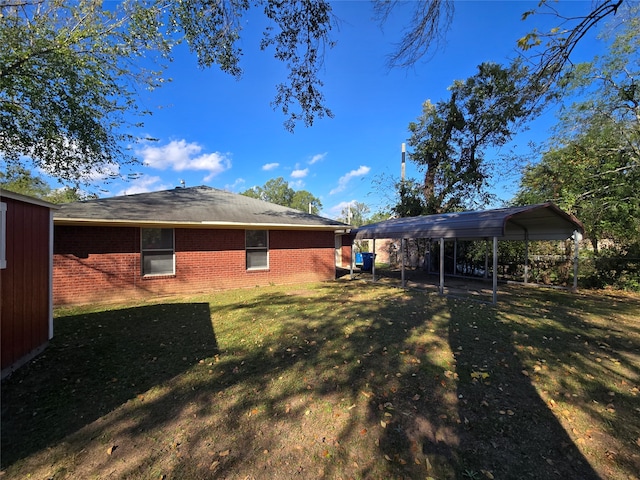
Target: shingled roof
{"points": [[190, 207]]}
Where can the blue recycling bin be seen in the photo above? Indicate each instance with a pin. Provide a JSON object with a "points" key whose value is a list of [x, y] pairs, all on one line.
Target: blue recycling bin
{"points": [[358, 258], [367, 261]]}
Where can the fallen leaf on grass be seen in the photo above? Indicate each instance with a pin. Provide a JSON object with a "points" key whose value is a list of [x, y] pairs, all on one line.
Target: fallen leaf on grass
{"points": [[111, 449], [225, 453], [214, 465], [488, 474]]}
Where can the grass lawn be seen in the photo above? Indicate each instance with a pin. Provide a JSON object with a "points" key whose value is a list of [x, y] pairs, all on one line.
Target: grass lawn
{"points": [[343, 379]]}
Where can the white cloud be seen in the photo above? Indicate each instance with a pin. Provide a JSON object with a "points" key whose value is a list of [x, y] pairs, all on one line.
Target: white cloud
{"points": [[300, 173], [297, 184], [344, 180], [143, 184], [270, 166], [318, 157], [178, 155], [336, 210], [92, 175], [239, 182]]}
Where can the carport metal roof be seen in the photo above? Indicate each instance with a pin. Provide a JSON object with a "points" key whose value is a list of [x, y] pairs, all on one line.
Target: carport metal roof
{"points": [[544, 221]]}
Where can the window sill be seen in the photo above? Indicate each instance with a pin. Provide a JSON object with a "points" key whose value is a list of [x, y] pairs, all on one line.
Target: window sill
{"points": [[151, 276]]}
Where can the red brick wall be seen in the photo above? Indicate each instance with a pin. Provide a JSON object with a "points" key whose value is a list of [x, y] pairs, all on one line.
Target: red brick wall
{"points": [[103, 263]]}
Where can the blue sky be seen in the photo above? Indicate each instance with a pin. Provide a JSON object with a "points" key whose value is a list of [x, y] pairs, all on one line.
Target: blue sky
{"points": [[212, 129]]}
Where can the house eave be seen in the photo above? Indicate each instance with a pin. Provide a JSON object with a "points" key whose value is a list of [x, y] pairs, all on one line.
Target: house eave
{"points": [[205, 224]]}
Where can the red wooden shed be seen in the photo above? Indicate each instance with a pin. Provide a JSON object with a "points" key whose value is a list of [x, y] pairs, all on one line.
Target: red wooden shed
{"points": [[26, 253]]}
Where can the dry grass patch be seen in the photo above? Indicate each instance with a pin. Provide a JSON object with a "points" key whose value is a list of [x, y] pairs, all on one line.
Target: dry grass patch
{"points": [[332, 380]]}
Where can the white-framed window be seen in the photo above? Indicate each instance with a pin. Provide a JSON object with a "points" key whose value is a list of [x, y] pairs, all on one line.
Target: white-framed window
{"points": [[257, 249], [3, 235], [158, 253]]}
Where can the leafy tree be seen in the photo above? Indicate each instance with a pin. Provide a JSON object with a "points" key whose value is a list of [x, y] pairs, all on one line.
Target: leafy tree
{"points": [[379, 216], [592, 167], [70, 70], [411, 202], [278, 191], [450, 137], [305, 202], [67, 74], [592, 178], [19, 180], [355, 214], [550, 51]]}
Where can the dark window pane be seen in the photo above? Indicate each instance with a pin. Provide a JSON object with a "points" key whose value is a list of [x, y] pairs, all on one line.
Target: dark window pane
{"points": [[256, 238], [157, 238]]}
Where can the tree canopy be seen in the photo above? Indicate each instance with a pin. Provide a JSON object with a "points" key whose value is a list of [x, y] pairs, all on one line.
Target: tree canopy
{"points": [[19, 180], [70, 71], [278, 191], [450, 137], [592, 165]]}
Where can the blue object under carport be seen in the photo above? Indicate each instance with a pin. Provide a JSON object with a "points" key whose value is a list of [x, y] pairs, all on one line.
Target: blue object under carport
{"points": [[358, 258], [367, 261]]}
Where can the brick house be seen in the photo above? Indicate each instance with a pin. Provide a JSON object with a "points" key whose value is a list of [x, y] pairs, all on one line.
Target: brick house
{"points": [[26, 314], [188, 240]]}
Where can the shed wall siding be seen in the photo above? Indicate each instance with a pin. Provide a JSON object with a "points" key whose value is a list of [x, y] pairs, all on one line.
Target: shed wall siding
{"points": [[24, 283], [103, 263]]}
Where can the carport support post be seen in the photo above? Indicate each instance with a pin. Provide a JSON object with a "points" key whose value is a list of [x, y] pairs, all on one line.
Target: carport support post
{"points": [[486, 259], [455, 256], [526, 257], [402, 246], [441, 266], [576, 247], [495, 270], [373, 262], [352, 259]]}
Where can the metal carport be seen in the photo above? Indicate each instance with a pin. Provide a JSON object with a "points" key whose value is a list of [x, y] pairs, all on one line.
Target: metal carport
{"points": [[531, 222]]}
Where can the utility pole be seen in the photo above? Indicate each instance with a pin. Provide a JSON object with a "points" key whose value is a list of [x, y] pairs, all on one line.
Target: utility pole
{"points": [[402, 169]]}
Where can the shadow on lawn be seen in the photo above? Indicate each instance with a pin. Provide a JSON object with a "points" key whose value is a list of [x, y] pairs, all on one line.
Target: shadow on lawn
{"points": [[95, 363], [506, 427], [345, 379]]}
